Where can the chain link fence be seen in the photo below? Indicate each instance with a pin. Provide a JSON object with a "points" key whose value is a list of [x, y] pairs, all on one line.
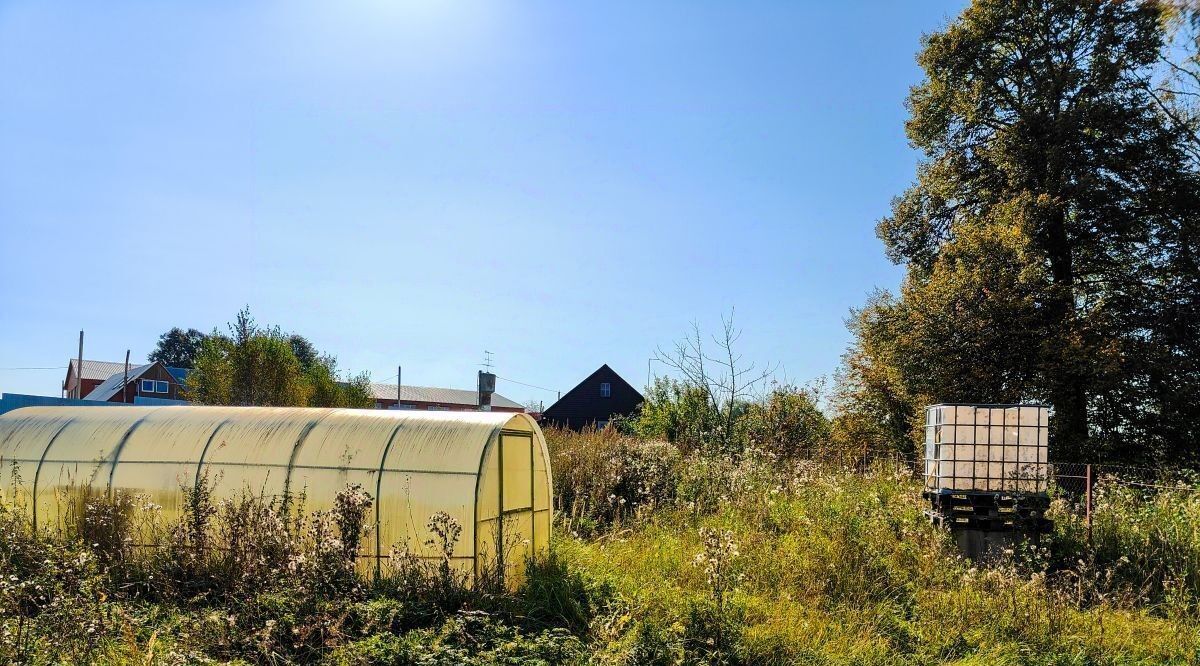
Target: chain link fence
{"points": [[1074, 481]]}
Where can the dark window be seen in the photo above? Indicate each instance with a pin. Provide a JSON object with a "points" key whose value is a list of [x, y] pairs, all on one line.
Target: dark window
{"points": [[147, 386], [162, 387], [605, 390]]}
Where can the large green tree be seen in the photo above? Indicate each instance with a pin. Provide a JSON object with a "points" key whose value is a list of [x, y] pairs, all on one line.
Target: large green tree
{"points": [[1049, 237], [177, 348], [262, 366]]}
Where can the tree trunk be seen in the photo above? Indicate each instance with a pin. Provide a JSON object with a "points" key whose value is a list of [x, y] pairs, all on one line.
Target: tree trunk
{"points": [[1068, 390]]}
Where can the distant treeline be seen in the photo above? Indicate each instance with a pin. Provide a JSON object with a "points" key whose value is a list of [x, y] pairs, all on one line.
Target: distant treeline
{"points": [[259, 365]]}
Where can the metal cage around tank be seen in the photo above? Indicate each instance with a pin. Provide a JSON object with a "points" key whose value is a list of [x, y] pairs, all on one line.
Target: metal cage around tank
{"points": [[488, 471], [986, 447]]}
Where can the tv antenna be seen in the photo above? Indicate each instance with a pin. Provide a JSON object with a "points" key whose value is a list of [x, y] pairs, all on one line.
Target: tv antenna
{"points": [[487, 360]]}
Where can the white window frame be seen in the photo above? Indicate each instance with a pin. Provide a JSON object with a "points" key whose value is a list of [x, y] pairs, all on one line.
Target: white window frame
{"points": [[147, 382], [605, 389], [161, 386]]}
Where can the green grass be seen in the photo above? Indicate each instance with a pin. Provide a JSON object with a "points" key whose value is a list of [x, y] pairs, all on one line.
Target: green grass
{"points": [[843, 569], [830, 567]]}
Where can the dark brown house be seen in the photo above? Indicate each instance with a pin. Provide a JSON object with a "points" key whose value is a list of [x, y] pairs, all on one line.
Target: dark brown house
{"points": [[596, 400]]}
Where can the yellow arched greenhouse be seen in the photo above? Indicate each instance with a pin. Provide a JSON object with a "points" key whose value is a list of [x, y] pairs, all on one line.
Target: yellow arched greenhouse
{"points": [[489, 471]]}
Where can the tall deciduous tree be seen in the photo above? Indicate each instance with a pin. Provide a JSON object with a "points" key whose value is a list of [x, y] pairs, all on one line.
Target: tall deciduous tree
{"points": [[1049, 237], [177, 348]]}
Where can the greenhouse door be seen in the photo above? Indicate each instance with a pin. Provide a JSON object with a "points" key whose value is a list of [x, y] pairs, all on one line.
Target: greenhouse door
{"points": [[516, 505]]}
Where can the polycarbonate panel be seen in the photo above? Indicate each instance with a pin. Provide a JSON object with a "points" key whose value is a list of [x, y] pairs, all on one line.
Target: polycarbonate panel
{"points": [[21, 450], [343, 449], [527, 484], [487, 511], [542, 527], [488, 535], [61, 484], [543, 493], [541, 481], [444, 441], [409, 501], [250, 454], [488, 498], [517, 454], [80, 458], [515, 541], [518, 543], [160, 456]]}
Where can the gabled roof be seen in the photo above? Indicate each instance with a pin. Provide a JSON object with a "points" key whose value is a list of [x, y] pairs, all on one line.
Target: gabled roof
{"points": [[442, 396], [101, 370], [604, 369], [109, 387]]}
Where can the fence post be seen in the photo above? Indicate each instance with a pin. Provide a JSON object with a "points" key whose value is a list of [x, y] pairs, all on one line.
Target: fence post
{"points": [[1088, 501]]}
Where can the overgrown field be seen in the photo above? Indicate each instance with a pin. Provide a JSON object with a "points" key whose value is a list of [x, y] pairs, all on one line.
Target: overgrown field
{"points": [[661, 557]]}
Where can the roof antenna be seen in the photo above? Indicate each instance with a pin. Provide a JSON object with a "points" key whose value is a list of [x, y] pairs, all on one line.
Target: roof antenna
{"points": [[487, 383]]}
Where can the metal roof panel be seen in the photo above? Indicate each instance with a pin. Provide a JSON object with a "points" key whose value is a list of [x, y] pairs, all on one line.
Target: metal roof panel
{"points": [[445, 396]]}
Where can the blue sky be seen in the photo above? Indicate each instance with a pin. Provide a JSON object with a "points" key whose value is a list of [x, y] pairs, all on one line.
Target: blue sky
{"points": [[563, 183]]}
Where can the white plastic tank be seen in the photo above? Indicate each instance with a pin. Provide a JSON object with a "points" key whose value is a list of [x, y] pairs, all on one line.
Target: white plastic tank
{"points": [[987, 448]]}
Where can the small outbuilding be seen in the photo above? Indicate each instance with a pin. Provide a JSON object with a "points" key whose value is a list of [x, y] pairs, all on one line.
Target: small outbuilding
{"points": [[489, 471]]}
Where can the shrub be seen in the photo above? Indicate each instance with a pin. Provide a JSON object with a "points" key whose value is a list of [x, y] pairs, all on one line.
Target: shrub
{"points": [[47, 589], [469, 638], [602, 477], [1145, 547], [788, 423], [708, 483], [681, 413], [556, 595]]}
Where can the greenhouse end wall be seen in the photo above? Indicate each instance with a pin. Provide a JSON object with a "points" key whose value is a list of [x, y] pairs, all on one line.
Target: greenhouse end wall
{"points": [[488, 471]]}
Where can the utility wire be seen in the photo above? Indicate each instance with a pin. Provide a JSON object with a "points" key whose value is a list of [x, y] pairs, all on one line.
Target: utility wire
{"points": [[53, 367], [513, 381]]}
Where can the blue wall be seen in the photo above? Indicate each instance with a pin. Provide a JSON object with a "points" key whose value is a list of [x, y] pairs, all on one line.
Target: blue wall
{"points": [[146, 401], [11, 401]]}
